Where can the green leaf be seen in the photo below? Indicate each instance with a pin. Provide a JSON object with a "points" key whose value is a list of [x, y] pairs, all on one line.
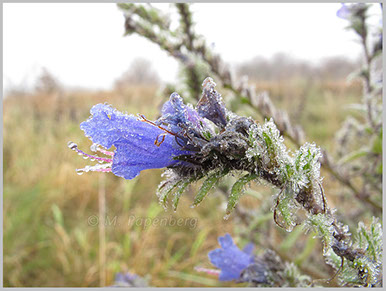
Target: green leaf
{"points": [[165, 193], [153, 210], [353, 156], [198, 279], [285, 210], [291, 239], [377, 145], [208, 185], [179, 192], [370, 239], [307, 251], [297, 161], [201, 237], [321, 224], [259, 220], [237, 191], [380, 169], [58, 216], [176, 257], [267, 140]]}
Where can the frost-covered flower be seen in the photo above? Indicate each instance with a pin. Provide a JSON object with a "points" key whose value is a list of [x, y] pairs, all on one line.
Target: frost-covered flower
{"points": [[230, 259], [141, 144]]}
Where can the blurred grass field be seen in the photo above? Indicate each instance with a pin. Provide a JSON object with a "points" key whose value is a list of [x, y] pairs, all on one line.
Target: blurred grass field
{"points": [[47, 239]]}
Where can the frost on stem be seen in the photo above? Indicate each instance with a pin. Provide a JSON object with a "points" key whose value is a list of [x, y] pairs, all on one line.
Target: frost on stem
{"points": [[297, 175], [321, 224], [209, 142], [239, 144], [357, 263]]}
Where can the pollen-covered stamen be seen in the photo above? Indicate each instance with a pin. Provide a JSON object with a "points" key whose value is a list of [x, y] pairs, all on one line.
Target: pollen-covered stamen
{"points": [[74, 147]]}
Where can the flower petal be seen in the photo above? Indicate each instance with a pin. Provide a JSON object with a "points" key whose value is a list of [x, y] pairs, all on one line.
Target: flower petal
{"points": [[230, 259], [248, 249], [133, 139], [137, 154], [343, 12], [226, 241]]}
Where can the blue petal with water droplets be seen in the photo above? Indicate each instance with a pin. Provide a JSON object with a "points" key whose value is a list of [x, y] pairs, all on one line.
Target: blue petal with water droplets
{"points": [[133, 139]]}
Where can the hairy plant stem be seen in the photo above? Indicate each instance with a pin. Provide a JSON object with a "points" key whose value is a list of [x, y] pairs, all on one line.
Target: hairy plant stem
{"points": [[216, 66]]}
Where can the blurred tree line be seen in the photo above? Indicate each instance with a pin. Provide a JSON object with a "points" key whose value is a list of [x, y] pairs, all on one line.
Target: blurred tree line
{"points": [[282, 66]]}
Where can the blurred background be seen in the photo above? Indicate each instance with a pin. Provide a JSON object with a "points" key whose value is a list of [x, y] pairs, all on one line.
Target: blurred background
{"points": [[61, 59]]}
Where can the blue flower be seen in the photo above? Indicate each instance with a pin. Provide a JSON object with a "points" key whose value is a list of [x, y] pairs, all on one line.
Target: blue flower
{"points": [[141, 144], [230, 259], [344, 12], [352, 11], [124, 278], [129, 280]]}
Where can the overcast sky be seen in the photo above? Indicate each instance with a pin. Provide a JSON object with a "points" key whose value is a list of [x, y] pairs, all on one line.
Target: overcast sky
{"points": [[83, 44]]}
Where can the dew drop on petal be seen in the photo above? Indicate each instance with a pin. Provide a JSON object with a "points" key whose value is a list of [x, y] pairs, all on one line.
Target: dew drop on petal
{"points": [[94, 147]]}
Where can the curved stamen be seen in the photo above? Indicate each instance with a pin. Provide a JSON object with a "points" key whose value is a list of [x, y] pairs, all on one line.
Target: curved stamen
{"points": [[74, 147], [95, 168], [95, 148], [93, 157], [158, 143], [103, 170]]}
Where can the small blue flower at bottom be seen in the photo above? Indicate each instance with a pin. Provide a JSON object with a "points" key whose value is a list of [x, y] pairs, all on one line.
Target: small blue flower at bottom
{"points": [[230, 259], [129, 280], [125, 277]]}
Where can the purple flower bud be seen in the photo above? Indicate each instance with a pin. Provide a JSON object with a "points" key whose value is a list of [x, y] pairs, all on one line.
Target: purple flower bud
{"points": [[179, 116], [211, 105]]}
